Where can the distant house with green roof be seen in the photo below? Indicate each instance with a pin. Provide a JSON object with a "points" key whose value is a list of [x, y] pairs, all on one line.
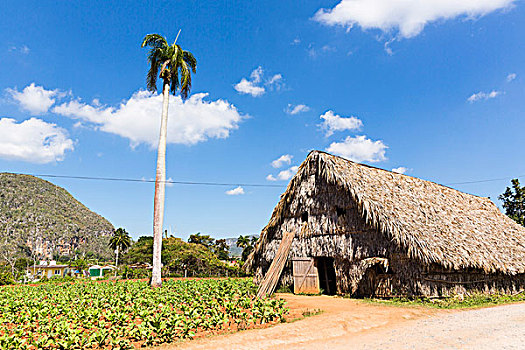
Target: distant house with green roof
{"points": [[100, 271]]}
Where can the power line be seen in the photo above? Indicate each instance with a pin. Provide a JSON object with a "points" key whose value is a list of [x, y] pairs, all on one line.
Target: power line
{"points": [[151, 181], [487, 180], [222, 183]]}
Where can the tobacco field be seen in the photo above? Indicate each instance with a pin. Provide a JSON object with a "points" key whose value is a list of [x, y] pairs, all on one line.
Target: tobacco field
{"points": [[128, 314]]}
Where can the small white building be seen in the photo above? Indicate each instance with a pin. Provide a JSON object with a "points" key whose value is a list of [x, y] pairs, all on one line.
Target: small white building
{"points": [[100, 271]]}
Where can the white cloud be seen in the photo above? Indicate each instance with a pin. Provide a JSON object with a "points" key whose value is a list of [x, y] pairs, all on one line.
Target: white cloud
{"points": [[400, 170], [249, 88], [359, 149], [169, 182], [387, 48], [236, 191], [255, 85], [334, 122], [296, 41], [33, 141], [270, 177], [483, 96], [288, 173], [300, 108], [275, 82], [282, 160], [312, 52], [511, 77], [283, 175], [328, 48], [22, 49], [138, 119], [34, 99], [405, 17], [274, 79], [256, 75]]}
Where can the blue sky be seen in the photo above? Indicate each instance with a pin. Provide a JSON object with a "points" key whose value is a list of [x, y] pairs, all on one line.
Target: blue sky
{"points": [[432, 88]]}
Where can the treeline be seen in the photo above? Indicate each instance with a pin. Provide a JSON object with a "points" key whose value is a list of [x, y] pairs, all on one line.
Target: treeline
{"points": [[201, 256]]}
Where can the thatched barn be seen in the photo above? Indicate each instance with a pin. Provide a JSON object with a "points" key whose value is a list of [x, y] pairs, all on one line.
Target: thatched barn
{"points": [[365, 231]]}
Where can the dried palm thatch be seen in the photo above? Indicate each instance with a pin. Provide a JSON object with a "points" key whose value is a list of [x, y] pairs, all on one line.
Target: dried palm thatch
{"points": [[431, 223]]}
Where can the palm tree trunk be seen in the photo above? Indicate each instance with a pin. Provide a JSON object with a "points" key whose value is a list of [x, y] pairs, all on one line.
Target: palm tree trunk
{"points": [[160, 187], [116, 262]]}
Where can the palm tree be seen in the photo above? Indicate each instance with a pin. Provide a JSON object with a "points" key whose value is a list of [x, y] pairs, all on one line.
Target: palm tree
{"points": [[243, 241], [119, 241], [175, 66], [246, 244]]}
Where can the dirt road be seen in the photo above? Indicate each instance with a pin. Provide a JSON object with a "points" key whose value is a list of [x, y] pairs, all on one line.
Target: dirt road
{"points": [[351, 324], [501, 327], [341, 319]]}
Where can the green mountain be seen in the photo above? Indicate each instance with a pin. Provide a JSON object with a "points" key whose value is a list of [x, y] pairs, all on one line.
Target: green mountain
{"points": [[41, 221]]}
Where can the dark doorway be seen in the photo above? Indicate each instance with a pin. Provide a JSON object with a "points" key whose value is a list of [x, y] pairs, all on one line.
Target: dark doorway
{"points": [[326, 270], [368, 284], [373, 277]]}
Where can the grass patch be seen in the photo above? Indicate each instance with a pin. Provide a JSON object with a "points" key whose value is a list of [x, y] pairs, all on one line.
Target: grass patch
{"points": [[308, 312], [284, 289], [455, 302]]}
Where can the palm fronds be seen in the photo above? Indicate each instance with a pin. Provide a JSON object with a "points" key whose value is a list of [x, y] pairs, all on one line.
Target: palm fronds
{"points": [[155, 41], [185, 83], [179, 65], [154, 59], [190, 60], [120, 240]]}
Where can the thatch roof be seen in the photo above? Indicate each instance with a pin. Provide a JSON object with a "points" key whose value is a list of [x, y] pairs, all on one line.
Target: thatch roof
{"points": [[431, 222]]}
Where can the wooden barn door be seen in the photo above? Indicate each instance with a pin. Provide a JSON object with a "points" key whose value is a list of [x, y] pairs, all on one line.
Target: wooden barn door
{"points": [[305, 276]]}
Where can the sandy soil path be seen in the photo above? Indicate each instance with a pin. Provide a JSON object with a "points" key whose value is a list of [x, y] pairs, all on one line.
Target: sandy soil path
{"points": [[342, 321], [501, 327], [351, 324]]}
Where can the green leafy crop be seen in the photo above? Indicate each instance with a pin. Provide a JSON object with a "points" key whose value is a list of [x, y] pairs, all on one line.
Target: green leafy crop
{"points": [[129, 314]]}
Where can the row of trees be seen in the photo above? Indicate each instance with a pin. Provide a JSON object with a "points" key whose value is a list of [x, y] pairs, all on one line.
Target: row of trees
{"points": [[181, 258], [201, 255], [218, 246]]}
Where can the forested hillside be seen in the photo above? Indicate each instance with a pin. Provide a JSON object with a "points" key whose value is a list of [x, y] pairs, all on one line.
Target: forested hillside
{"points": [[40, 220]]}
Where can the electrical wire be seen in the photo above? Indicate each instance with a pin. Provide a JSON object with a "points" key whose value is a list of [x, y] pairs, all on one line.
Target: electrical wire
{"points": [[487, 180], [151, 181], [222, 183]]}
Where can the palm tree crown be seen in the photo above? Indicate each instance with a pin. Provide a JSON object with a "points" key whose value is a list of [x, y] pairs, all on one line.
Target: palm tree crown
{"points": [[175, 65], [243, 241], [120, 240]]}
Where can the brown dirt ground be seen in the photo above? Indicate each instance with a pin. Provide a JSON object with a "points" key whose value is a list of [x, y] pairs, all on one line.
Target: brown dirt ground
{"points": [[340, 319]]}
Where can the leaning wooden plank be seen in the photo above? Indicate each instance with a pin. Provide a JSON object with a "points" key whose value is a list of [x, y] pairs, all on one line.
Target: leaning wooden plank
{"points": [[273, 274]]}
